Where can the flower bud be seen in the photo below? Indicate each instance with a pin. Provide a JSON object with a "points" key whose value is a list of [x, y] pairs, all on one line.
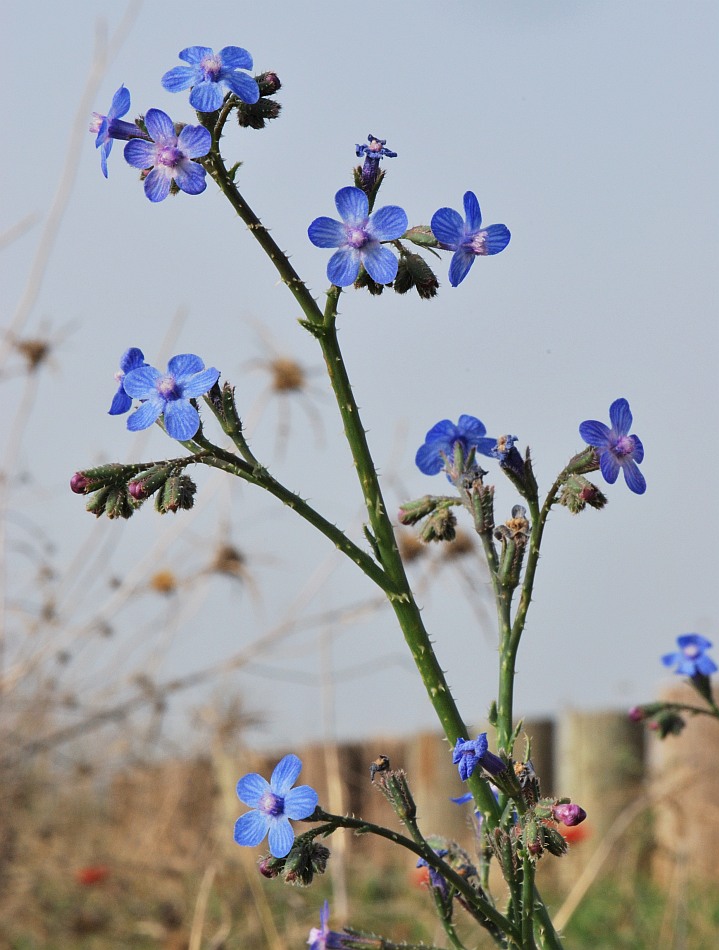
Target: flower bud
{"points": [[578, 492], [440, 526], [177, 492], [395, 788], [569, 814], [414, 271], [148, 482], [78, 483], [268, 83], [410, 512]]}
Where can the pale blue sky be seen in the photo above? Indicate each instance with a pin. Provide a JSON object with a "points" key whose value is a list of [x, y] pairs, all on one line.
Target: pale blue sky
{"points": [[590, 129]]}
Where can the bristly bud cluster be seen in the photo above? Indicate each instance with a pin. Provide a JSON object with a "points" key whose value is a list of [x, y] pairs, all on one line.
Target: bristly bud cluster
{"points": [[411, 512], [513, 535], [440, 525], [395, 788], [578, 492], [306, 858], [414, 271], [667, 723], [118, 490], [256, 115]]}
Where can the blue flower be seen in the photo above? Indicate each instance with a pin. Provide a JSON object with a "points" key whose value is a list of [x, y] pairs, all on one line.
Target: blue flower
{"points": [[323, 938], [169, 394], [358, 238], [109, 127], [168, 155], [130, 359], [468, 238], [439, 443], [615, 447], [372, 154], [273, 804], [207, 71], [691, 658], [468, 754]]}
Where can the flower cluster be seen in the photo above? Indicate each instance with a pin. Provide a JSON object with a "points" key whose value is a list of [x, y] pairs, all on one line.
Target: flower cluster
{"points": [[162, 394], [166, 153]]}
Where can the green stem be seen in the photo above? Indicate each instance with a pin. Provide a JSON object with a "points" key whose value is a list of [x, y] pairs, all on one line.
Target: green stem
{"points": [[422, 850], [528, 904]]}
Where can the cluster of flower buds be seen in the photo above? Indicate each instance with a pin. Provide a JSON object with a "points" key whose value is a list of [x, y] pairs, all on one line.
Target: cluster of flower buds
{"points": [[255, 115], [537, 832], [118, 490], [578, 492], [306, 858]]}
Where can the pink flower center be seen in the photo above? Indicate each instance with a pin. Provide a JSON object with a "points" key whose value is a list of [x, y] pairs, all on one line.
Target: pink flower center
{"points": [[356, 237], [624, 445], [169, 155], [95, 122], [271, 804], [478, 243], [691, 650], [166, 386], [211, 66]]}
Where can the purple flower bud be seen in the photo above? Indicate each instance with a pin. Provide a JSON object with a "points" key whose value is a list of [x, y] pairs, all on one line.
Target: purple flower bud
{"points": [[636, 714], [569, 814], [79, 483]]}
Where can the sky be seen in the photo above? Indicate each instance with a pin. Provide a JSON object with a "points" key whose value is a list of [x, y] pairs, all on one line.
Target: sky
{"points": [[590, 130]]}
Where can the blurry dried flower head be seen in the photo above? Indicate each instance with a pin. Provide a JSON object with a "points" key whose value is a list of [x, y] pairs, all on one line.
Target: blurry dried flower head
{"points": [[38, 350], [288, 379], [461, 546], [410, 546], [163, 582], [228, 560]]}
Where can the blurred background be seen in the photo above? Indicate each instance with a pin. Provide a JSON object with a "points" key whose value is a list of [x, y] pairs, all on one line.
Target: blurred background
{"points": [[591, 131]]}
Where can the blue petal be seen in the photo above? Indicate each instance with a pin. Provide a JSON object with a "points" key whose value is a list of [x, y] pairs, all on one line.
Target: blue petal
{"points": [[190, 178], [343, 267], [195, 141], [380, 263], [669, 659], [486, 447], [285, 774], [444, 430], [352, 205], [471, 428], [131, 359], [388, 223], [594, 433], [634, 478], [460, 265], [140, 383], [181, 420], [195, 54], [428, 460], [185, 364], [105, 150], [251, 828], [120, 103], [638, 454], [609, 467], [472, 212], [121, 403], [206, 96], [496, 238], [179, 78], [199, 384], [448, 227], [143, 417], [620, 416], [705, 665], [157, 184], [326, 232], [243, 86], [251, 788], [140, 154], [281, 837], [235, 57], [300, 802], [160, 127]]}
